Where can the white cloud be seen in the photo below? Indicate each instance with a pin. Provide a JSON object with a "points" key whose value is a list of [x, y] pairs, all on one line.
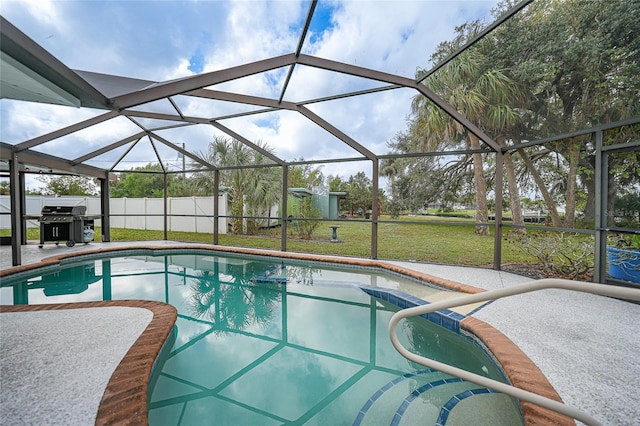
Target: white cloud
{"points": [[394, 37], [46, 12], [22, 121], [181, 69], [163, 40], [253, 31]]}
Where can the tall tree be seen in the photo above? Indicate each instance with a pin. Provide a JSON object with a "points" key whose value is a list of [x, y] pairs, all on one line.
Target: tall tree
{"points": [[546, 195], [579, 61], [255, 188], [264, 190], [145, 181], [360, 192], [305, 175], [418, 182], [337, 184], [483, 94], [391, 168]]}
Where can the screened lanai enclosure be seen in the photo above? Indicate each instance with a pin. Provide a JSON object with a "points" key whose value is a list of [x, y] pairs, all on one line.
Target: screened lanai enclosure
{"points": [[512, 136]]}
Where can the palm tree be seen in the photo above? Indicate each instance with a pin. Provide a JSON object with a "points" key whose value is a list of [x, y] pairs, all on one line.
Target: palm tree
{"points": [[484, 96], [256, 189], [264, 190], [389, 168]]}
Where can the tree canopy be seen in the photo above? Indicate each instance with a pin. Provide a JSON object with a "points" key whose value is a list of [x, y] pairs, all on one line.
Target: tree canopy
{"points": [[255, 189], [67, 185], [555, 67], [148, 181], [305, 175]]}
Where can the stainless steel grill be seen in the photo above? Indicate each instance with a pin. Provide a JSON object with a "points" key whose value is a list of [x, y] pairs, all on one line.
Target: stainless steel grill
{"points": [[65, 223]]}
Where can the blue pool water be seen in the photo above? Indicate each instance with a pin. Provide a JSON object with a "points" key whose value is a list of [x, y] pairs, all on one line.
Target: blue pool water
{"points": [[259, 341]]}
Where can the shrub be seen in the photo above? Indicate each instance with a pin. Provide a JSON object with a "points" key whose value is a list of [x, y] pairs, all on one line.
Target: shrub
{"points": [[306, 227], [559, 253], [394, 210]]}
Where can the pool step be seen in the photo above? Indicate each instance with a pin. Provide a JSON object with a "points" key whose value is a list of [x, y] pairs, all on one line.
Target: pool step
{"points": [[427, 397]]}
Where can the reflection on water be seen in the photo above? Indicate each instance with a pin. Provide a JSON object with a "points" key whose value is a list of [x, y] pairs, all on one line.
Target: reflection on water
{"points": [[68, 280], [232, 300], [262, 342]]}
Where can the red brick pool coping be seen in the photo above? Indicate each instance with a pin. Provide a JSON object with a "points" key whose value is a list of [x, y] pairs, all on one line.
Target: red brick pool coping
{"points": [[125, 398]]}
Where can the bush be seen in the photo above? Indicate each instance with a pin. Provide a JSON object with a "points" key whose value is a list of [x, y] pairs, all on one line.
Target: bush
{"points": [[306, 227], [559, 253], [394, 210]]}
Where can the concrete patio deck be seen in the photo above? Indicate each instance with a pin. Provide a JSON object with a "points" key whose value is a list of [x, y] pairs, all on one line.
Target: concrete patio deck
{"points": [[586, 345]]}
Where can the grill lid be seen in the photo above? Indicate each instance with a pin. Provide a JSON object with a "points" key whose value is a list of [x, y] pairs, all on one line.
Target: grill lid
{"points": [[64, 210]]}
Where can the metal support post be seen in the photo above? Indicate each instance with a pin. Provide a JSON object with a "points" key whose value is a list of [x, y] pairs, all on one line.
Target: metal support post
{"points": [[105, 209], [23, 206], [374, 210], [284, 206], [497, 239], [216, 205], [601, 176], [164, 184], [16, 216]]}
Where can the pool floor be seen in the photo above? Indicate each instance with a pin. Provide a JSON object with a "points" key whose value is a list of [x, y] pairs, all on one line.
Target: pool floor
{"points": [[344, 372]]}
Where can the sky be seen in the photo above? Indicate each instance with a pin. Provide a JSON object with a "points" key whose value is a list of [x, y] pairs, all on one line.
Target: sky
{"points": [[165, 40]]}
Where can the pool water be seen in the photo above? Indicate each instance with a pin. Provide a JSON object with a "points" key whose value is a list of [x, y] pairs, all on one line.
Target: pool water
{"points": [[260, 342]]}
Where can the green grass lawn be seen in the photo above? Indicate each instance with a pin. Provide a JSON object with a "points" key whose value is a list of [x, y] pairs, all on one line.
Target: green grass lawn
{"points": [[416, 238]]}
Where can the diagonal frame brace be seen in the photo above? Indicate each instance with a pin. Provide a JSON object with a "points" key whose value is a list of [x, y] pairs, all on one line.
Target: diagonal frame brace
{"points": [[65, 131], [370, 74], [247, 142], [336, 132], [182, 151], [108, 148]]}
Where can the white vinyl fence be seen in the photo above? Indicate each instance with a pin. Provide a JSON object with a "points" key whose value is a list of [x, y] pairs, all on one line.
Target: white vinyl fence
{"points": [[146, 213]]}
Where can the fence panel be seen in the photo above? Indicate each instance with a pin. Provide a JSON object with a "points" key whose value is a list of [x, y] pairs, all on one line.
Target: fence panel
{"points": [[117, 205], [182, 206], [204, 206], [120, 208], [135, 206], [155, 206]]}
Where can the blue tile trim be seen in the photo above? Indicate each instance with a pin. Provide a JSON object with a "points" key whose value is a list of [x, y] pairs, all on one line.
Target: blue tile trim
{"points": [[484, 305], [444, 318], [383, 389], [448, 407]]}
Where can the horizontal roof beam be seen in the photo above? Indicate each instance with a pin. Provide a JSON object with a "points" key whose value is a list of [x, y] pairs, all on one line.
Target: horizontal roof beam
{"points": [[341, 67], [175, 87], [39, 159], [23, 49], [163, 116], [241, 99]]}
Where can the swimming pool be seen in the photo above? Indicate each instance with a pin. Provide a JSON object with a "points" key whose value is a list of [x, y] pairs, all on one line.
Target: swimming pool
{"points": [[266, 341]]}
